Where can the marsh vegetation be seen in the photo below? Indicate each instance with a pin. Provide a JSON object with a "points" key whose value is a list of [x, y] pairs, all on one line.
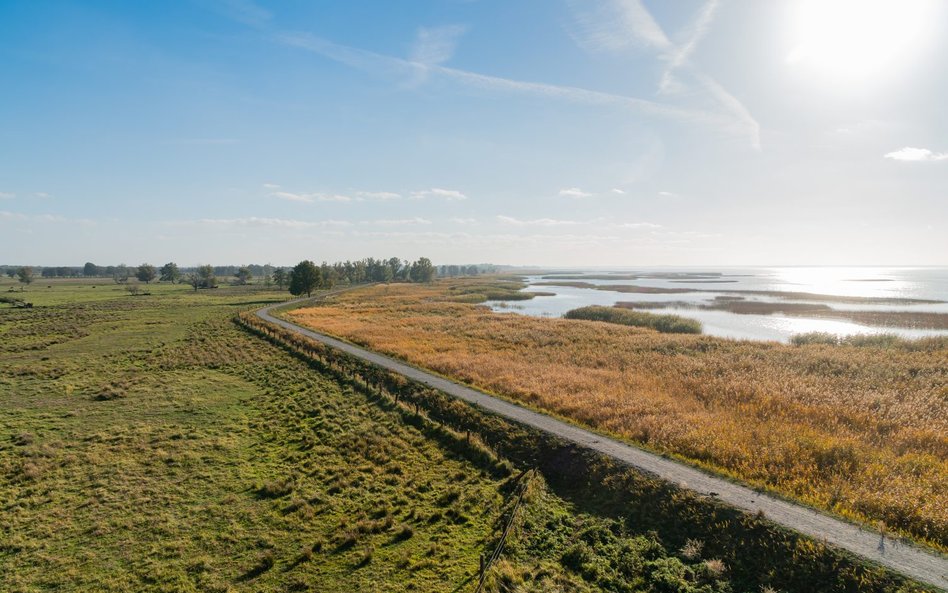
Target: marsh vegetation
{"points": [[858, 430]]}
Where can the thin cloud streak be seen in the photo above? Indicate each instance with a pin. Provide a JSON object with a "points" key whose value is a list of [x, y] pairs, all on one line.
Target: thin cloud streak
{"points": [[437, 192], [398, 68], [398, 222], [379, 195], [604, 25], [309, 198], [639, 24], [574, 192], [678, 57], [258, 221], [433, 46], [6, 215], [510, 220]]}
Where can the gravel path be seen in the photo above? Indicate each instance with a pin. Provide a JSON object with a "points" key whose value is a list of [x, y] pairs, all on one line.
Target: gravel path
{"points": [[922, 565]]}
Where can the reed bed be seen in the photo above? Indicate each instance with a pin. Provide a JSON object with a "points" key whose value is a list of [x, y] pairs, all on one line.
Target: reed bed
{"points": [[858, 430]]}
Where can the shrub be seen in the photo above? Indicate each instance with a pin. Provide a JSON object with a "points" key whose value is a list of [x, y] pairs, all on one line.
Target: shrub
{"points": [[815, 338], [666, 324]]}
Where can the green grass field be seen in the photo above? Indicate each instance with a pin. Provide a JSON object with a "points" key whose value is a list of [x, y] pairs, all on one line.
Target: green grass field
{"points": [[149, 443]]}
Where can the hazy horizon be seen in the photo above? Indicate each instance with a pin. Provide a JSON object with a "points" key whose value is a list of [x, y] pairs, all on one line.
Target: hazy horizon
{"points": [[594, 135]]}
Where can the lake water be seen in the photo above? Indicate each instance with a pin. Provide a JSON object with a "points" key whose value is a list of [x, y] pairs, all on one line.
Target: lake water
{"points": [[877, 283]]}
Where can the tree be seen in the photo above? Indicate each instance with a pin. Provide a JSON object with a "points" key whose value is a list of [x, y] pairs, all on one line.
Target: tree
{"points": [[328, 276], [243, 275], [422, 270], [170, 273], [267, 275], [279, 276], [194, 280], [11, 272], [25, 275], [206, 274], [121, 274], [304, 278], [146, 273], [394, 264], [90, 269]]}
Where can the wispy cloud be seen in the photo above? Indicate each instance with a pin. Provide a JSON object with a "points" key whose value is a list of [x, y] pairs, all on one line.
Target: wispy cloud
{"points": [[4, 195], [244, 11], [668, 194], [617, 191], [402, 69], [41, 195], [619, 24], [6, 215], [261, 222], [678, 56], [510, 220], [398, 221], [332, 198], [309, 198], [271, 186], [433, 47], [910, 153], [574, 192], [609, 24], [637, 225], [437, 192], [378, 195], [464, 221], [612, 25], [291, 197], [743, 123]]}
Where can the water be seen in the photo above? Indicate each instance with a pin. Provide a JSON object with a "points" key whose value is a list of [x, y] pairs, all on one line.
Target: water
{"points": [[877, 283]]}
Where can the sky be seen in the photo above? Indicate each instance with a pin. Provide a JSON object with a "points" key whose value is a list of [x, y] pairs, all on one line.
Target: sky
{"points": [[529, 132]]}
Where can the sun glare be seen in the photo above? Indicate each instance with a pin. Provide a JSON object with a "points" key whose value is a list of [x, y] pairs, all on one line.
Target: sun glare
{"points": [[853, 39]]}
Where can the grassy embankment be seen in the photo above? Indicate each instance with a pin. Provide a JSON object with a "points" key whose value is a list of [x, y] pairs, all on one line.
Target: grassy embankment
{"points": [[860, 431], [148, 443], [754, 553]]}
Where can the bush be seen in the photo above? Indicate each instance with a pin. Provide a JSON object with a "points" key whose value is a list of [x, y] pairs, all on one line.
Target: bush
{"points": [[666, 324], [815, 338]]}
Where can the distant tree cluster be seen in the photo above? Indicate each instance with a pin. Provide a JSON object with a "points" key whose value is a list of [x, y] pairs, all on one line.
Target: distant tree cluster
{"points": [[304, 278], [455, 271], [202, 277]]}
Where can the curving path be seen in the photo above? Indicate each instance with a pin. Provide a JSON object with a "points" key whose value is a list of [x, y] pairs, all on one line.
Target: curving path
{"points": [[924, 566]]}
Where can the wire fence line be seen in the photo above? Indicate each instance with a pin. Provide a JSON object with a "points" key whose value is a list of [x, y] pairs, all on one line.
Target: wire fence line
{"points": [[498, 550]]}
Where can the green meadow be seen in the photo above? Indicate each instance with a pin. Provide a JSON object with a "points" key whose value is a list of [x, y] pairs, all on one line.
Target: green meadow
{"points": [[149, 443]]}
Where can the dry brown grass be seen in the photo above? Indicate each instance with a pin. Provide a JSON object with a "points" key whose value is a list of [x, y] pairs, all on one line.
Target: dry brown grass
{"points": [[861, 431]]}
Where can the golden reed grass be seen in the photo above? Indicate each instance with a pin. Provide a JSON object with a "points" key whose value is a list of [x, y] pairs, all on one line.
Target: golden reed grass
{"points": [[860, 431]]}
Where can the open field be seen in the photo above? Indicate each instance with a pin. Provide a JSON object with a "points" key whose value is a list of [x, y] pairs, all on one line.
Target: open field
{"points": [[148, 443], [860, 431]]}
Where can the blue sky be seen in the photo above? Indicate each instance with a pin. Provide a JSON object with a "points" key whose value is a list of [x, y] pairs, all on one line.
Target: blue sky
{"points": [[549, 132]]}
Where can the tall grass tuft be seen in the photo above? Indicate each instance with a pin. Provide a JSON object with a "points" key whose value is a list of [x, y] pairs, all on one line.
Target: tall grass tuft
{"points": [[666, 324]]}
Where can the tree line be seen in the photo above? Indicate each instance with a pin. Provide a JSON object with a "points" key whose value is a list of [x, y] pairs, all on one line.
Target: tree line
{"points": [[303, 278]]}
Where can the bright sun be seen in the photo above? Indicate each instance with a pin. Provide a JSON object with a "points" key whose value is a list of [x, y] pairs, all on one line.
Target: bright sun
{"points": [[857, 39]]}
